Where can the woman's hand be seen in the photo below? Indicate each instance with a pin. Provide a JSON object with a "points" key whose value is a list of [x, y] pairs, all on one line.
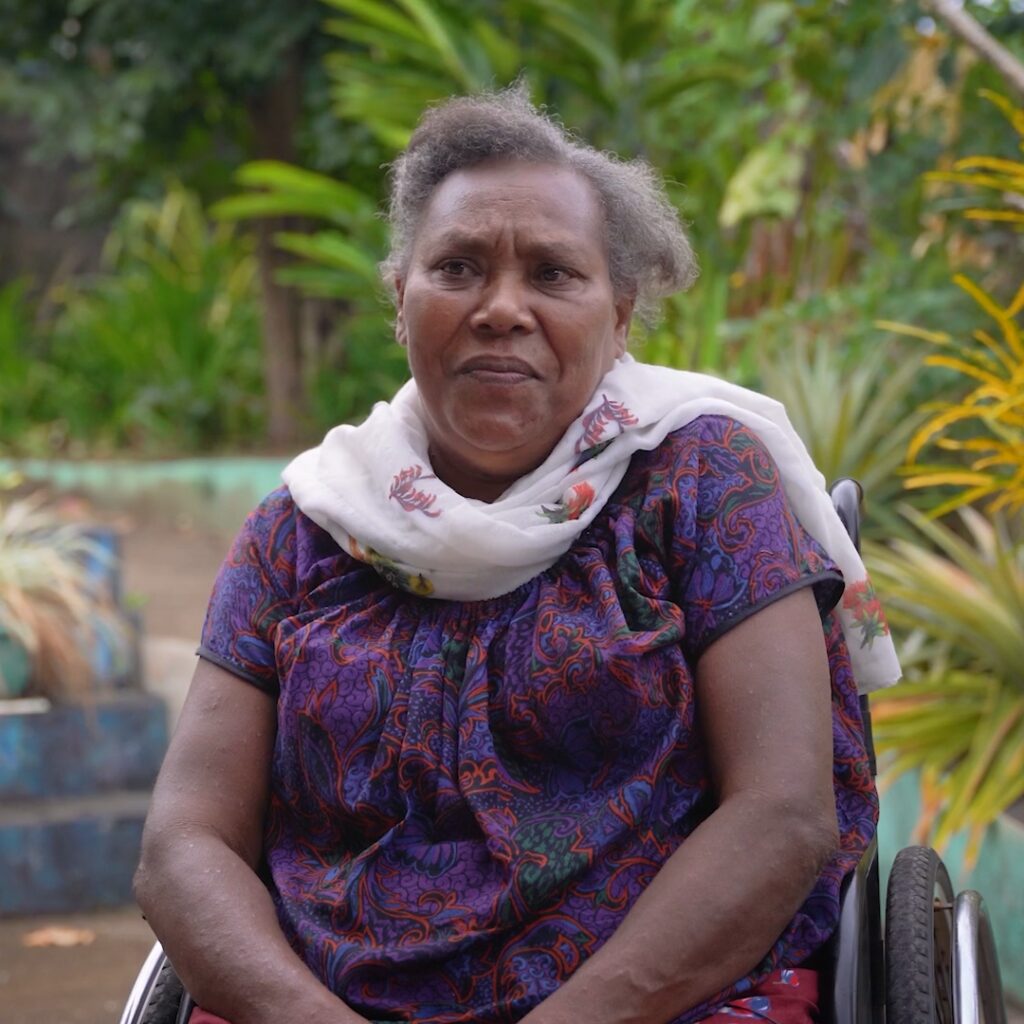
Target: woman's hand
{"points": [[719, 903], [203, 839]]}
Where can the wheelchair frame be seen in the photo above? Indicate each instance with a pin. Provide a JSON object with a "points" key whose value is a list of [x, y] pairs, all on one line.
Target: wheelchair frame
{"points": [[934, 963]]}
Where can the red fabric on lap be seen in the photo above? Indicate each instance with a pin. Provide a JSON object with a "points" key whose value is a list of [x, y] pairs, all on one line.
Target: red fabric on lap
{"points": [[205, 1017], [787, 996]]}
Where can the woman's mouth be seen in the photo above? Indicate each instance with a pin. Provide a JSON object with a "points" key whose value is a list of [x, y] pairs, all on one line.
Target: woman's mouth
{"points": [[494, 370]]}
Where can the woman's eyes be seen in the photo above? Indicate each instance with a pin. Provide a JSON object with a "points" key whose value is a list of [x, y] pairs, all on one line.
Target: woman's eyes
{"points": [[454, 268], [554, 275], [548, 274]]}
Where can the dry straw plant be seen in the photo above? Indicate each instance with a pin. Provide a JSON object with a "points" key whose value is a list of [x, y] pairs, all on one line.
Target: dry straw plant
{"points": [[54, 605]]}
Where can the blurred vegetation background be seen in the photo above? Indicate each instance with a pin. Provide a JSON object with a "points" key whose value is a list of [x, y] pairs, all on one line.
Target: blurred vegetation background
{"points": [[189, 232]]}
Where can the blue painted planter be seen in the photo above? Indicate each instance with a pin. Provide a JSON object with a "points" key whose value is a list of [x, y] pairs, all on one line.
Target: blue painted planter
{"points": [[74, 787]]}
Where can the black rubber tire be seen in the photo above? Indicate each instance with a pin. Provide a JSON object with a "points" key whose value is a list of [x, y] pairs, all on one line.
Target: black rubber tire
{"points": [[163, 1002], [918, 940]]}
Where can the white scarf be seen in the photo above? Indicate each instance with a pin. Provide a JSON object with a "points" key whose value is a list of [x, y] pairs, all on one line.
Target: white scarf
{"points": [[372, 489]]}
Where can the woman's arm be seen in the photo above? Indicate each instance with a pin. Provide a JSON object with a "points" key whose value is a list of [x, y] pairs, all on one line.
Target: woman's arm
{"points": [[722, 899], [196, 882]]}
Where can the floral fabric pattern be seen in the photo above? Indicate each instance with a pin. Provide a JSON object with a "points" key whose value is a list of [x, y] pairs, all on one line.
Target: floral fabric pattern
{"points": [[411, 499], [576, 500], [468, 797], [596, 424], [787, 996], [863, 603]]}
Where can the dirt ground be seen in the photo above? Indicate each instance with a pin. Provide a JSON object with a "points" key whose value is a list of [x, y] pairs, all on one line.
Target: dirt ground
{"points": [[169, 570], [78, 984]]}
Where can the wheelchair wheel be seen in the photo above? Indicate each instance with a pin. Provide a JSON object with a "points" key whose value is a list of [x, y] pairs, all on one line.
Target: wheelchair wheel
{"points": [[919, 940], [165, 997]]}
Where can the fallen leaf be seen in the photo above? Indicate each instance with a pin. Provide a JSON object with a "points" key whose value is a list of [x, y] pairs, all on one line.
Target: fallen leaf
{"points": [[58, 935]]}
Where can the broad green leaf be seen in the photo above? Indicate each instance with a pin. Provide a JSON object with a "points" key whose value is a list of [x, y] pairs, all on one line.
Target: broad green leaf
{"points": [[383, 15], [286, 178], [766, 183], [333, 249]]}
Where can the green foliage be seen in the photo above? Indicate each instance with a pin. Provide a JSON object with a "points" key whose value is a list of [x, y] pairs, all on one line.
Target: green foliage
{"points": [[853, 411], [162, 350], [338, 262], [791, 133], [128, 89], [986, 425], [747, 111], [636, 78], [991, 413], [960, 719], [25, 380], [361, 363], [961, 598], [993, 173]]}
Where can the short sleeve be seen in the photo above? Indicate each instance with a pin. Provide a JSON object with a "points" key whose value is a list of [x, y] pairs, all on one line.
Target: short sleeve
{"points": [[254, 591], [747, 548]]}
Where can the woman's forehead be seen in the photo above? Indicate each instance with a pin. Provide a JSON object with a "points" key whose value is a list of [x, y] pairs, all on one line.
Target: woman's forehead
{"points": [[553, 199]]}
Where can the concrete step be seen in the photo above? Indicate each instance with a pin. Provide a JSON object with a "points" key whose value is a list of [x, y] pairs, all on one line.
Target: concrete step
{"points": [[76, 853]]}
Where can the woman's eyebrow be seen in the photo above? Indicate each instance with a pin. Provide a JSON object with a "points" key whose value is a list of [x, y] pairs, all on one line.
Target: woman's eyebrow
{"points": [[554, 249], [458, 238]]}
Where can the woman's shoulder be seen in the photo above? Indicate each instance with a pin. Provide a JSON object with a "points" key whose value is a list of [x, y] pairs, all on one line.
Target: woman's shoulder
{"points": [[283, 536], [705, 441], [713, 429]]}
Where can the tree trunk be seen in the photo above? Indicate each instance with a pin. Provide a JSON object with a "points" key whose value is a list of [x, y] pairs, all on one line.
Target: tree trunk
{"points": [[274, 116]]}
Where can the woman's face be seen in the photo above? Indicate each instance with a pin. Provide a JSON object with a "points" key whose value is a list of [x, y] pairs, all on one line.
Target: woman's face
{"points": [[509, 316]]}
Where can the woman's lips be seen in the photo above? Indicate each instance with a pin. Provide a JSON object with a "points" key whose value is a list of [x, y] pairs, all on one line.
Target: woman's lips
{"points": [[498, 371]]}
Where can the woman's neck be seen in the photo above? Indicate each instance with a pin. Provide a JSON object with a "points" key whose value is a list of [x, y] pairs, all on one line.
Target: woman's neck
{"points": [[471, 481]]}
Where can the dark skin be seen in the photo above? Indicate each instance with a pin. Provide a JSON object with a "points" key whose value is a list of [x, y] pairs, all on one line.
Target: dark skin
{"points": [[765, 705], [511, 320]]}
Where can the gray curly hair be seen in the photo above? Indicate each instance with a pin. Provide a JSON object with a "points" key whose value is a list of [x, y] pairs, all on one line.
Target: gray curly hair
{"points": [[649, 256]]}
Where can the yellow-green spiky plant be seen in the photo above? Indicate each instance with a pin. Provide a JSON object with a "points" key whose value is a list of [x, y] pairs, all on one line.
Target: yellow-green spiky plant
{"points": [[958, 594], [987, 423], [959, 603]]}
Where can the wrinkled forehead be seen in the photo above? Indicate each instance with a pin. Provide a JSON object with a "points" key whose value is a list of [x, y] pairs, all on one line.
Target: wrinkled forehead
{"points": [[554, 198]]}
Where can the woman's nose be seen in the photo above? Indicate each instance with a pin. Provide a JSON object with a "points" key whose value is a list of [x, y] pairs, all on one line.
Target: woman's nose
{"points": [[504, 308]]}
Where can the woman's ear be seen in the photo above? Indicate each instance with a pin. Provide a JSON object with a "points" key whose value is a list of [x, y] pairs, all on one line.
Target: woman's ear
{"points": [[623, 320], [401, 334]]}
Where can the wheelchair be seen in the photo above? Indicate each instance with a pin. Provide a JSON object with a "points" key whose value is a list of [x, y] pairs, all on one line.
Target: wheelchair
{"points": [[935, 962]]}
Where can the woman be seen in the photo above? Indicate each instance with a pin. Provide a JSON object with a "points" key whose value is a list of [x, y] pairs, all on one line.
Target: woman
{"points": [[514, 703]]}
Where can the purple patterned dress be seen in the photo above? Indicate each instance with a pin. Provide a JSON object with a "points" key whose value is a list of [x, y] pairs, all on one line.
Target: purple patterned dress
{"points": [[467, 797]]}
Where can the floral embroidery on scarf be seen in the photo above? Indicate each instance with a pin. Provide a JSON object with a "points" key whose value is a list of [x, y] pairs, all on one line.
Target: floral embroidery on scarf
{"points": [[590, 453], [408, 497], [572, 505], [595, 423], [414, 583], [862, 602]]}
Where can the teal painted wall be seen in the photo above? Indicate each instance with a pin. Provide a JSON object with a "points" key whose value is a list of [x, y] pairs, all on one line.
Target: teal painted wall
{"points": [[218, 492]]}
